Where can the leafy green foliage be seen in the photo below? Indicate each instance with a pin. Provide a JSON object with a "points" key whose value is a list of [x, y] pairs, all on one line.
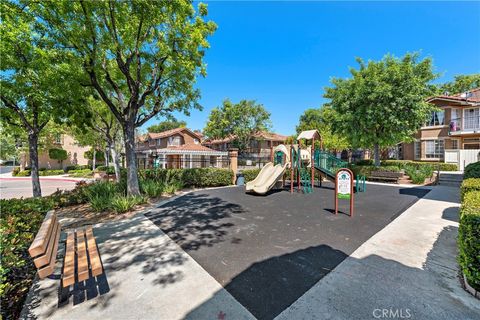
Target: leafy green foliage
{"points": [[403, 163], [51, 172], [23, 173], [121, 204], [250, 174], [470, 184], [142, 58], [469, 238], [461, 83], [57, 154], [99, 155], [419, 174], [323, 120], [472, 170], [166, 125], [76, 167], [81, 173], [196, 177], [240, 120], [383, 103], [152, 188]]}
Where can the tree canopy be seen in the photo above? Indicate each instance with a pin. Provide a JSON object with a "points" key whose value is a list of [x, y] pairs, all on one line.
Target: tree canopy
{"points": [[383, 102], [323, 119], [240, 120], [166, 125], [141, 57], [461, 83]]}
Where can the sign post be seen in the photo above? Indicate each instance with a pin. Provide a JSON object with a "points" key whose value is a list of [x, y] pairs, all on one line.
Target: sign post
{"points": [[344, 188]]}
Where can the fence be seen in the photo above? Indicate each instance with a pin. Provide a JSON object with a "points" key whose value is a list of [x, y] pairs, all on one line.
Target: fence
{"points": [[462, 157], [253, 158]]}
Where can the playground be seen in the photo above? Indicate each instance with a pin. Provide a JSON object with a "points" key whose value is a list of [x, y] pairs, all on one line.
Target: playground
{"points": [[267, 251]]}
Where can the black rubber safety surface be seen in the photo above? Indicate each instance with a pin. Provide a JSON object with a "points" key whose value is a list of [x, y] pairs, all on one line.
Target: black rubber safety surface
{"points": [[267, 251]]}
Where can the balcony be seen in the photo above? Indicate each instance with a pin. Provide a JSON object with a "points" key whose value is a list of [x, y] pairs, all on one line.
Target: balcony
{"points": [[470, 124]]}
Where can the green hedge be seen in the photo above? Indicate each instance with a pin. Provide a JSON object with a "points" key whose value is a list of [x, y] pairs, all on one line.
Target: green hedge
{"points": [[471, 184], [76, 167], [51, 172], [195, 177], [24, 173], [469, 238], [436, 165], [106, 169], [250, 174], [472, 170], [80, 173]]}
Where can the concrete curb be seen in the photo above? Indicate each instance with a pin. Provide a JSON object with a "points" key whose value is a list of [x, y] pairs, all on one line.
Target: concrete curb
{"points": [[470, 289]]}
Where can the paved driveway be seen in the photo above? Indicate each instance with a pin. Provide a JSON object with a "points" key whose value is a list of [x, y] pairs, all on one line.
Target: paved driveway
{"points": [[22, 187]]}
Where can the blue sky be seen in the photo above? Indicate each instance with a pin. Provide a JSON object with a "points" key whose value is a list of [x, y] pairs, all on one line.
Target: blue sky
{"points": [[283, 54]]}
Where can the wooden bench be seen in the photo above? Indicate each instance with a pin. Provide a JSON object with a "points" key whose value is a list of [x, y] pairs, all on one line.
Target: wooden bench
{"points": [[385, 176], [81, 261]]}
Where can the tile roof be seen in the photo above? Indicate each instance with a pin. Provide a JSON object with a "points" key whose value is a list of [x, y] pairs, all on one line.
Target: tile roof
{"points": [[166, 134], [189, 147], [475, 96], [261, 134]]}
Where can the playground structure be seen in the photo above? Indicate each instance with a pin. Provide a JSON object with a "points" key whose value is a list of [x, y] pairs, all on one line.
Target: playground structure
{"points": [[303, 162]]}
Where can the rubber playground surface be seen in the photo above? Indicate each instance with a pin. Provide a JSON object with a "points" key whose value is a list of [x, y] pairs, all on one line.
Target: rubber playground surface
{"points": [[267, 251]]}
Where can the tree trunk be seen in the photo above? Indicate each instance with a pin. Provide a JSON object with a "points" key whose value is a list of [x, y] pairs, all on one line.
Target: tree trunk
{"points": [[133, 187], [377, 155], [107, 156], [116, 163], [94, 158], [33, 151]]}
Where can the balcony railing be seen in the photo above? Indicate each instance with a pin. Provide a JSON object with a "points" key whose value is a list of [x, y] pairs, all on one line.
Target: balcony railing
{"points": [[466, 124]]}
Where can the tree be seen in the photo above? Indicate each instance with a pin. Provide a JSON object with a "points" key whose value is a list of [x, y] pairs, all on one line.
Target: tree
{"points": [[383, 103], [103, 126], [239, 120], [461, 83], [141, 57], [8, 144], [34, 79], [58, 154], [323, 120], [166, 125]]}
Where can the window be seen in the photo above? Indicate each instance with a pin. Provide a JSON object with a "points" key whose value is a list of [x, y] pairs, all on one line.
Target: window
{"points": [[437, 118], [58, 138], [417, 146], [195, 141], [174, 141], [434, 149], [454, 144], [159, 142]]}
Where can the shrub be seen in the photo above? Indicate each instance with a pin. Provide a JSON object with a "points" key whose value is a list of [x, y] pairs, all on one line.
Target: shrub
{"points": [[19, 223], [100, 195], [51, 172], [24, 173], [81, 173], [173, 187], [436, 165], [100, 203], [471, 184], [195, 177], [469, 238], [99, 155], [250, 174], [76, 167], [472, 170], [418, 174], [108, 170], [364, 163], [57, 154], [122, 204], [151, 188], [15, 171]]}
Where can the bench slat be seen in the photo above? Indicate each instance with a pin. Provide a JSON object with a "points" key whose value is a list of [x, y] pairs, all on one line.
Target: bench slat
{"points": [[95, 263], [48, 270], [46, 258], [82, 256], [39, 244], [69, 264]]}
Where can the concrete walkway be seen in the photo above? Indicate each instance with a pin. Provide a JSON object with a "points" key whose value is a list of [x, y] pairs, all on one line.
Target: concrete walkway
{"points": [[407, 270], [147, 277]]}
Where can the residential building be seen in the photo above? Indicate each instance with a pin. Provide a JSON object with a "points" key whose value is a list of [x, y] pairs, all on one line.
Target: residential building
{"points": [[455, 126], [177, 148], [75, 154], [261, 143]]}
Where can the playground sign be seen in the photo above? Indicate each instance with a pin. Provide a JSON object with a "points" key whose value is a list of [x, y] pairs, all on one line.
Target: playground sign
{"points": [[344, 187]]}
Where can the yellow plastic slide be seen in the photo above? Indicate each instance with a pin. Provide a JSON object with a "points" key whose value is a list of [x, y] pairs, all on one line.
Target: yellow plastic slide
{"points": [[266, 179]]}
